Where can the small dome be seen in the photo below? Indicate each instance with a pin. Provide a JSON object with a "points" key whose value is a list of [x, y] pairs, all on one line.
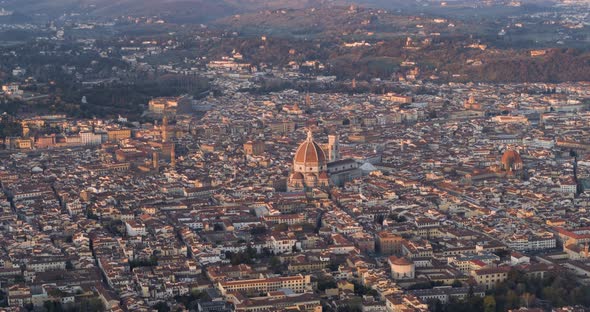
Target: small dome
{"points": [[324, 176], [399, 261], [36, 170]]}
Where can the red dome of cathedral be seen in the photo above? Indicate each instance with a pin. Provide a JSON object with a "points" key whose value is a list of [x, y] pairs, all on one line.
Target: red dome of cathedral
{"points": [[310, 166], [309, 152], [511, 161]]}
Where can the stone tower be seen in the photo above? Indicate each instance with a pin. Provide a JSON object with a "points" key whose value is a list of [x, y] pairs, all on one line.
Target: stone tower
{"points": [[333, 147], [155, 160], [172, 157], [165, 129]]}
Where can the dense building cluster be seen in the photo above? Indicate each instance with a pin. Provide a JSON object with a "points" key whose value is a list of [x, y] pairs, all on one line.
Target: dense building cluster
{"points": [[286, 188], [243, 209]]}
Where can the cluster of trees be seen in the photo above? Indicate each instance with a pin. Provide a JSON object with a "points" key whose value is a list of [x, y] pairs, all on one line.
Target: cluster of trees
{"points": [[116, 227], [243, 257], [272, 84], [92, 216], [152, 261], [361, 290], [326, 282], [443, 57], [125, 99], [84, 305], [427, 285], [557, 66], [557, 289], [281, 227], [3, 302], [10, 127], [518, 290], [10, 107], [379, 219], [351, 307], [50, 67], [397, 218], [258, 230], [470, 303], [250, 255], [191, 300]]}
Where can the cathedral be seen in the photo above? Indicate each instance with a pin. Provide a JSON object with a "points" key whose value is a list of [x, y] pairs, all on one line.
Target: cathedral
{"points": [[511, 164], [319, 165]]}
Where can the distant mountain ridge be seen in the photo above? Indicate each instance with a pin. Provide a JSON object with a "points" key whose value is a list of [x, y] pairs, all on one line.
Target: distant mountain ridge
{"points": [[200, 10]]}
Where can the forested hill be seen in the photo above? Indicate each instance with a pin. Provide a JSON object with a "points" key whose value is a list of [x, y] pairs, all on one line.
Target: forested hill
{"points": [[366, 43]]}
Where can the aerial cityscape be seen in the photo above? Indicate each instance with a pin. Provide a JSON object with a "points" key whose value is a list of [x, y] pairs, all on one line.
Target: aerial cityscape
{"points": [[305, 155]]}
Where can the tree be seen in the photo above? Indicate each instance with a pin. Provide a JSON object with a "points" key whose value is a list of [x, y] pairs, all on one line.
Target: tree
{"points": [[362, 290], [92, 216], [90, 305], [489, 304], [333, 266], [152, 261], [52, 306], [266, 252], [258, 230], [456, 283], [162, 306], [502, 253], [512, 300], [281, 227], [434, 305], [116, 227], [558, 288], [242, 257], [251, 251], [188, 300], [275, 265], [379, 219], [10, 127], [350, 308], [19, 279], [528, 299], [326, 282], [3, 302]]}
